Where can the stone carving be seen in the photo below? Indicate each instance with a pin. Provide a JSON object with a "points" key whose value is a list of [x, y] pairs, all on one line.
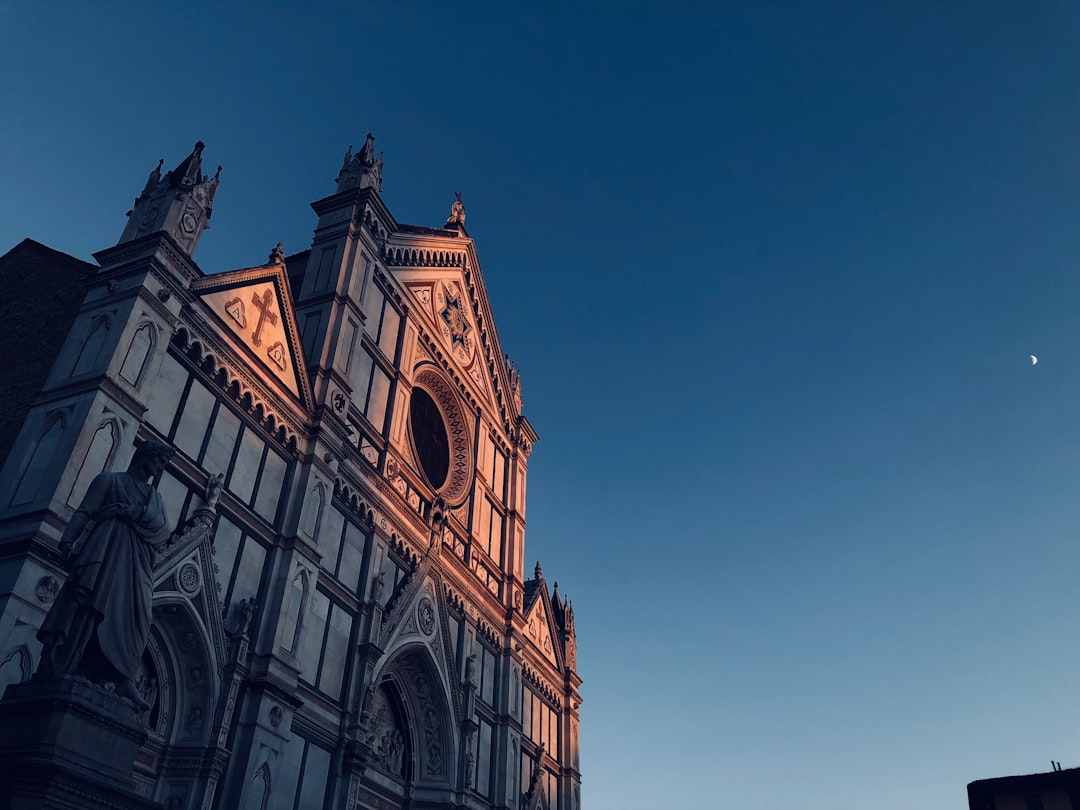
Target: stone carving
{"points": [[189, 579], [363, 169], [277, 255], [247, 613], [378, 588], [215, 485], [47, 589], [234, 308], [425, 615], [148, 687], [277, 353], [390, 749], [470, 670], [194, 719], [98, 625], [470, 764], [187, 641], [457, 212], [265, 306], [435, 759], [275, 716]]}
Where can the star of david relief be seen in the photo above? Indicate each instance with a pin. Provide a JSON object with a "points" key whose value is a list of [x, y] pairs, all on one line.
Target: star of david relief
{"points": [[453, 320]]}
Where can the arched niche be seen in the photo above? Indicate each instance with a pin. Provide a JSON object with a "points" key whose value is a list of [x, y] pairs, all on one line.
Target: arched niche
{"points": [[179, 677], [412, 675]]}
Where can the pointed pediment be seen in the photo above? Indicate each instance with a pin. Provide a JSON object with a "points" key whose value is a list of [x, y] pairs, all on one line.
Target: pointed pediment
{"points": [[254, 307], [540, 626], [453, 318]]}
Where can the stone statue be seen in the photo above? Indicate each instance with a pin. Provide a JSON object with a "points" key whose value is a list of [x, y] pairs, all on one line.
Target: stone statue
{"points": [[215, 484], [457, 212], [98, 625], [470, 670]]}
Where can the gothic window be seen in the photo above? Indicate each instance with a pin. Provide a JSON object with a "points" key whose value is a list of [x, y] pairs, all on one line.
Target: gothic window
{"points": [[212, 435], [325, 268], [138, 351], [372, 394], [539, 721], [489, 529], [314, 774], [382, 321], [313, 512], [344, 545], [240, 558], [552, 790], [88, 355], [15, 668], [324, 648], [96, 459], [39, 462], [259, 796], [309, 333], [486, 675], [194, 417], [292, 621], [482, 782], [165, 394], [175, 495], [498, 474]]}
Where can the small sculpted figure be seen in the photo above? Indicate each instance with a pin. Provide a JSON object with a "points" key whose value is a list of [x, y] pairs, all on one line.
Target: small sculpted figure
{"points": [[215, 484], [98, 625], [470, 670]]}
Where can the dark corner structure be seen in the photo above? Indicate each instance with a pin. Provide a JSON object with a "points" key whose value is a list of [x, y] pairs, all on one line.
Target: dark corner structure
{"points": [[1058, 789]]}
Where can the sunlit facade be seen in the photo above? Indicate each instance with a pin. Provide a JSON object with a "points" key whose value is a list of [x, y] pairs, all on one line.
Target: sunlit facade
{"points": [[357, 628]]}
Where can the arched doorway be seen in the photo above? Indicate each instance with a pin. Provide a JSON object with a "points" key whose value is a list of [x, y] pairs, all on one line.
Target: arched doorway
{"points": [[411, 729]]}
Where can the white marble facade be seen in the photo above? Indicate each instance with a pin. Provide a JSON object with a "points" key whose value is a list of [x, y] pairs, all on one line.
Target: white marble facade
{"points": [[361, 632]]}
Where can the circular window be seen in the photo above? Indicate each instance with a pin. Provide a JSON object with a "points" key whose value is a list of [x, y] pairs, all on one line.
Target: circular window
{"points": [[439, 436], [429, 437]]}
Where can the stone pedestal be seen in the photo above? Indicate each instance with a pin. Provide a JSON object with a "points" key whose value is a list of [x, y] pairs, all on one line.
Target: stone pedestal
{"points": [[67, 744]]}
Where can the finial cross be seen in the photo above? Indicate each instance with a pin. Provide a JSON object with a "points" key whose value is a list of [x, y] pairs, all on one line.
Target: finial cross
{"points": [[263, 305]]}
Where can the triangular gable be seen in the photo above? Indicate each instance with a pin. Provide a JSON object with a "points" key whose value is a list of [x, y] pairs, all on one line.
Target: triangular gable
{"points": [[540, 627], [444, 300], [255, 307]]}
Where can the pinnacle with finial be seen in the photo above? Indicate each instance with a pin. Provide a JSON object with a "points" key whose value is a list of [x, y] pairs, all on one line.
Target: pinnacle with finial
{"points": [[538, 573]]}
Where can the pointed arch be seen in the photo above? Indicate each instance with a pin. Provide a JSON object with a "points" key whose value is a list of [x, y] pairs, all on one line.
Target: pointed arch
{"points": [[427, 705], [315, 504], [294, 611], [260, 789], [99, 454], [139, 350], [91, 348], [16, 667], [44, 451]]}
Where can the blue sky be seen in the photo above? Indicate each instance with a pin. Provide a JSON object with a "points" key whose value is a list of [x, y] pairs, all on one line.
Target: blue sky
{"points": [[772, 273]]}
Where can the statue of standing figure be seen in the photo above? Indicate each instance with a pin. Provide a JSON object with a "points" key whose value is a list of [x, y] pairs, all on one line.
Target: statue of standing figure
{"points": [[98, 625]]}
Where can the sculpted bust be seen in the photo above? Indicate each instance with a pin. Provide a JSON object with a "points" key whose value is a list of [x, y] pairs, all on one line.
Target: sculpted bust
{"points": [[98, 625]]}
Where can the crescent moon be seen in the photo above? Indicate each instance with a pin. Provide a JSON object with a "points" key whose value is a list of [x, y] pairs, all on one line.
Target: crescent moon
{"points": [[1034, 359]]}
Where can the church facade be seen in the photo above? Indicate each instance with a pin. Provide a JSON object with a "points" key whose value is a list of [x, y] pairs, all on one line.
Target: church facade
{"points": [[343, 617]]}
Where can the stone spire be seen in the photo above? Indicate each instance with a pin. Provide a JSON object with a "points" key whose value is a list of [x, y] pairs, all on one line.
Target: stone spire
{"points": [[362, 170], [180, 203]]}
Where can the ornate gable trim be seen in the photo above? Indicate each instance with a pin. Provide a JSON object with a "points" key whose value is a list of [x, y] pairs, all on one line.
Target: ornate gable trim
{"points": [[548, 630]]}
